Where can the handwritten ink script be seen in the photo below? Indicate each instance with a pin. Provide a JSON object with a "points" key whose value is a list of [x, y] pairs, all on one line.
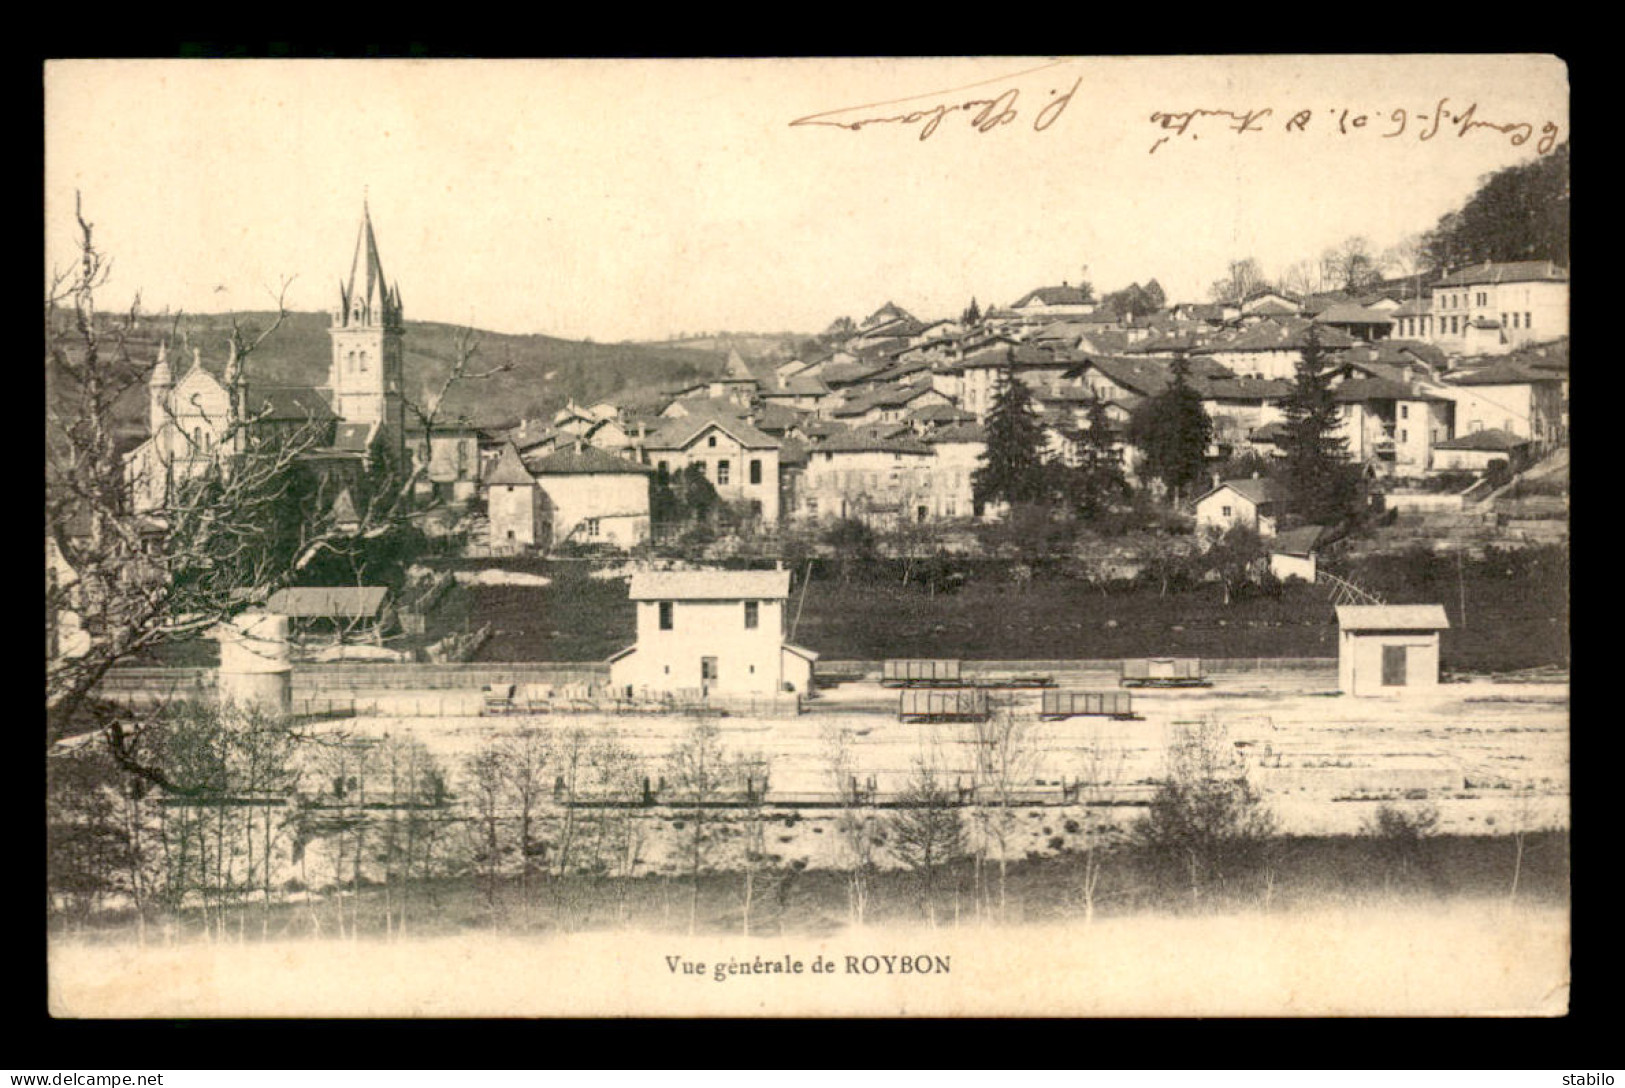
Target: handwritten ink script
{"points": [[721, 970], [1423, 124], [984, 114]]}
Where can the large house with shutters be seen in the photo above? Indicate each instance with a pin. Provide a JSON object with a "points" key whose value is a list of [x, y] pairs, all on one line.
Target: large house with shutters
{"points": [[739, 460], [1499, 305]]}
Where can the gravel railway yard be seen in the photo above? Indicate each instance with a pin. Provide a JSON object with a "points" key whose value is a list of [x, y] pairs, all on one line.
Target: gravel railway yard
{"points": [[1491, 757]]}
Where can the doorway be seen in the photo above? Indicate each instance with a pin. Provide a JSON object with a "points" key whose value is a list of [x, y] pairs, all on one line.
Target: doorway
{"points": [[1393, 666]]}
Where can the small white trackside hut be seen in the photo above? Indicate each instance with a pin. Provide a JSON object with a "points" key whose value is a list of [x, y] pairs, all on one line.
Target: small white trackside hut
{"points": [[714, 631], [1385, 649]]}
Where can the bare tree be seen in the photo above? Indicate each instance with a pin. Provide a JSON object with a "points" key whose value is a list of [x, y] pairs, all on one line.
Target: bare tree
{"points": [[1351, 266], [856, 826], [1241, 278], [1206, 816], [1004, 751], [484, 784], [523, 759], [239, 513], [1302, 278], [927, 833], [751, 769], [1407, 258], [413, 790], [700, 773], [1100, 769], [617, 830]]}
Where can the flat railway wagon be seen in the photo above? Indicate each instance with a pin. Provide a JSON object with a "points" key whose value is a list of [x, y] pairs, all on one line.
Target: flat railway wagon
{"points": [[1162, 672], [943, 705], [910, 673], [1074, 704]]}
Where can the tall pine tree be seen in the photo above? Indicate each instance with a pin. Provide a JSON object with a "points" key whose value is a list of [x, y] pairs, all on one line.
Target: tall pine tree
{"points": [[1172, 431], [1322, 486], [1098, 479], [1012, 468]]}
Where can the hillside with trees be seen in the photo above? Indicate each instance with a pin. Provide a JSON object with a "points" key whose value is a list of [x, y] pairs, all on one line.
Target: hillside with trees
{"points": [[542, 372], [1518, 214]]}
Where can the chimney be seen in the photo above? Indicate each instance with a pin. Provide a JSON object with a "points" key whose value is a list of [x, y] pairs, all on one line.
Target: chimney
{"points": [[579, 445]]}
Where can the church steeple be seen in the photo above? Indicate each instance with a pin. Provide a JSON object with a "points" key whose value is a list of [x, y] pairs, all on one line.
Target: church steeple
{"points": [[366, 333], [368, 298]]}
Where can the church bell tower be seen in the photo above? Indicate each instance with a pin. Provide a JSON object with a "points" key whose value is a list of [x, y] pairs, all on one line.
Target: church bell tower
{"points": [[366, 376]]}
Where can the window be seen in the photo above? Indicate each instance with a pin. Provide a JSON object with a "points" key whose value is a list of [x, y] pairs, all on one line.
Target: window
{"points": [[711, 442], [590, 527], [664, 468], [708, 668], [1528, 321], [1404, 436], [722, 472], [755, 471], [829, 457], [1224, 511], [363, 362], [665, 615], [752, 614], [1404, 411]]}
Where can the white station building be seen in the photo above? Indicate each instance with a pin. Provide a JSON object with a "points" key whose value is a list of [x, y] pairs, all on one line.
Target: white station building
{"points": [[714, 631]]}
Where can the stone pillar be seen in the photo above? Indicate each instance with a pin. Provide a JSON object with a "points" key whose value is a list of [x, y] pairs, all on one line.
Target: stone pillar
{"points": [[255, 665]]}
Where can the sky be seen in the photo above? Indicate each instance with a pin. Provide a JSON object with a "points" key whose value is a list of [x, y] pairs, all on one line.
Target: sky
{"points": [[639, 199]]}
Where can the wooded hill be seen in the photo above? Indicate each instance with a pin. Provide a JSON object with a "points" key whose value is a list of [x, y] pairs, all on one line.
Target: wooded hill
{"points": [[544, 372]]}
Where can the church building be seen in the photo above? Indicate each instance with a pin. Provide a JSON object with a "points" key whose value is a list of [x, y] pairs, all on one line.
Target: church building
{"points": [[190, 412]]}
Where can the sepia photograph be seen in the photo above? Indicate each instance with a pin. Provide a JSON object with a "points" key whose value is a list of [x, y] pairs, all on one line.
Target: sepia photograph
{"points": [[766, 537]]}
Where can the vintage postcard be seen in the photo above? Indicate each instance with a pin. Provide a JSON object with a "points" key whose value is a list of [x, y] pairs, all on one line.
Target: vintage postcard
{"points": [[891, 537]]}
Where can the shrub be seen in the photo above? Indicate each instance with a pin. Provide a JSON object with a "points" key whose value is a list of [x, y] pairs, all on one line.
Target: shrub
{"points": [[1399, 824], [1206, 820]]}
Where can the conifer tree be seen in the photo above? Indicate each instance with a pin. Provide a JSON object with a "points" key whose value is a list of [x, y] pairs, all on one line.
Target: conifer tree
{"points": [[1098, 478], [1322, 486], [972, 314], [1012, 466], [1173, 430]]}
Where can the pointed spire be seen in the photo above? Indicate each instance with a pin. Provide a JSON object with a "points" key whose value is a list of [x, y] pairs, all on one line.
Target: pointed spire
{"points": [[367, 287]]}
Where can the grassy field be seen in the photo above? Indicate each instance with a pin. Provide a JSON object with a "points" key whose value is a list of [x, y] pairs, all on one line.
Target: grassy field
{"points": [[1507, 611], [1516, 615]]}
